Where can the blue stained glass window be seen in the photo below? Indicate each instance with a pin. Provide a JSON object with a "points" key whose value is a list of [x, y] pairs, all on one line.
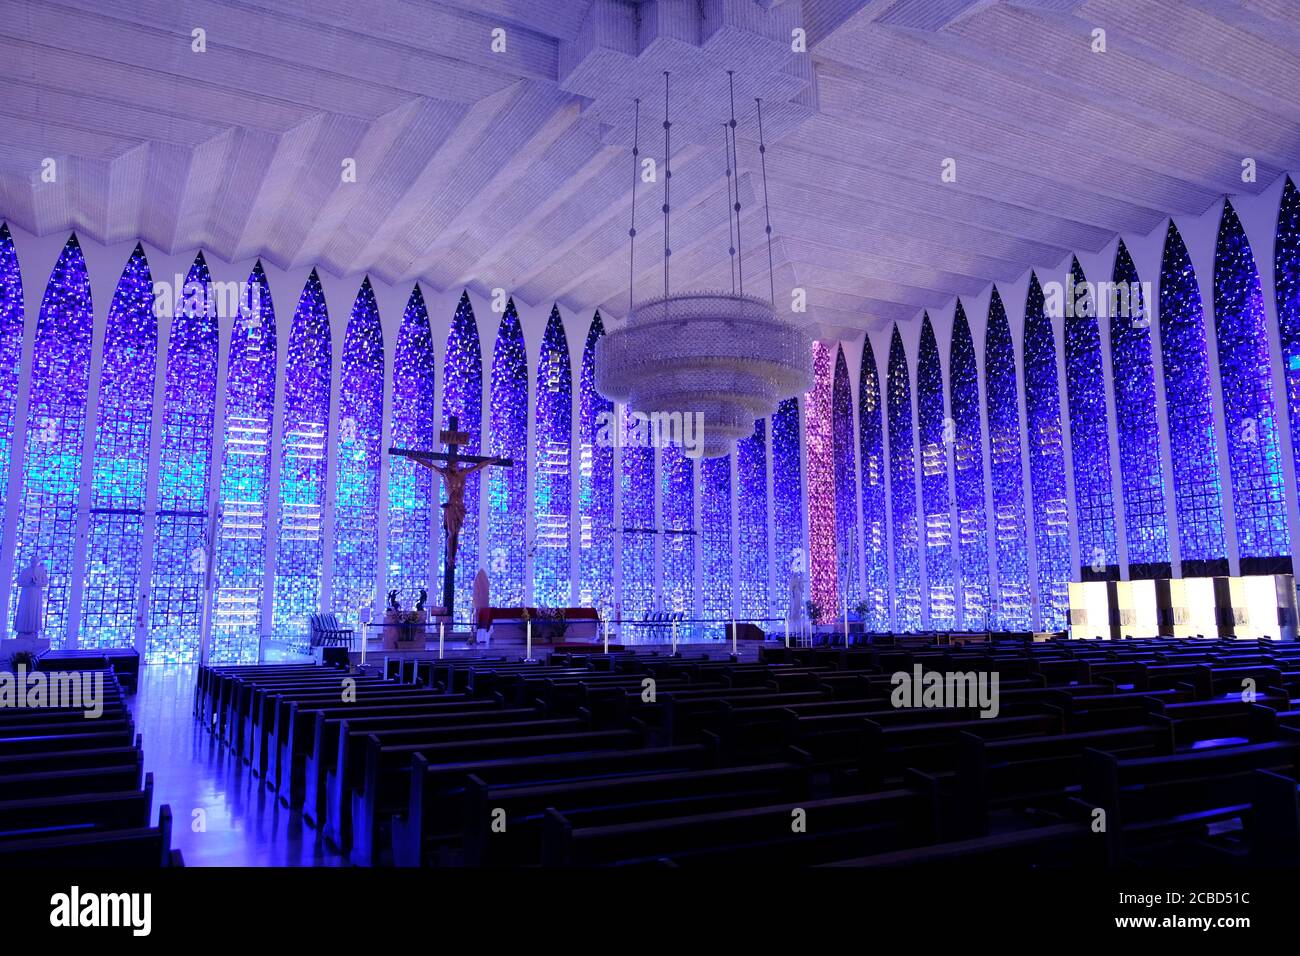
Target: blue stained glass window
{"points": [[1286, 284], [934, 480], [552, 493], [819, 438], [360, 447], [715, 520], [1012, 607], [875, 513], [462, 396], [902, 481], [1254, 448], [56, 420], [637, 547], [595, 485], [11, 351], [242, 527], [751, 471], [304, 465], [1198, 492], [968, 475], [1046, 462], [181, 544], [1145, 528], [124, 421], [787, 501], [411, 521], [1085, 391], [848, 543], [678, 490], [508, 487]]}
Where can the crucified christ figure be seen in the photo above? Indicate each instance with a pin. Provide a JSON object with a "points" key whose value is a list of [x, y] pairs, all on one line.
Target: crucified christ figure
{"points": [[453, 479]]}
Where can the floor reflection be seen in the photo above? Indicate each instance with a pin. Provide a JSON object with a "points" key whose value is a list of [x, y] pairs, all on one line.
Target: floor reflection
{"points": [[223, 815]]}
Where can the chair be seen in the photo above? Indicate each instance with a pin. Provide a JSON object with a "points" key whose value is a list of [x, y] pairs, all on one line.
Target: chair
{"points": [[327, 632]]}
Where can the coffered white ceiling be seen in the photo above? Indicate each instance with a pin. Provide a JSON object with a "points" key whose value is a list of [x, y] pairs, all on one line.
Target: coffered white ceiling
{"points": [[513, 169]]}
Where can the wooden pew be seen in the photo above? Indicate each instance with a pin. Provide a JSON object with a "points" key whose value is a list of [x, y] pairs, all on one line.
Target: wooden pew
{"points": [[436, 807], [611, 800], [109, 849], [1049, 847], [1152, 800], [993, 774], [79, 781], [307, 747], [387, 775], [98, 810], [753, 835]]}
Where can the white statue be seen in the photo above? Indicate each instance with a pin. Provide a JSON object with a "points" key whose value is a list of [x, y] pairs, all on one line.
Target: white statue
{"points": [[32, 581], [795, 619]]}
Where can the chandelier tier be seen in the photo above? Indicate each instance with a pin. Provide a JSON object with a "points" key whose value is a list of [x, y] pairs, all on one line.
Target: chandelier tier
{"points": [[727, 357], [724, 356]]}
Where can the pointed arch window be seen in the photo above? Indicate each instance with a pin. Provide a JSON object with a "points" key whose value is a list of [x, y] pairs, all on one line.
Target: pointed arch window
{"points": [[1141, 471], [56, 419], [244, 492], [968, 475], [595, 484], [359, 451], [875, 512], [848, 542], [304, 465], [508, 535], [552, 493], [11, 353], [902, 482], [752, 557], [123, 426], [1198, 490], [1085, 390], [411, 521], [1046, 462], [1012, 606], [462, 397], [1250, 417], [935, 499]]}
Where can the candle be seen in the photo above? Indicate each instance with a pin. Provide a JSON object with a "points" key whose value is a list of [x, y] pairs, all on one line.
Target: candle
{"points": [[733, 638], [529, 653], [442, 627], [606, 635]]}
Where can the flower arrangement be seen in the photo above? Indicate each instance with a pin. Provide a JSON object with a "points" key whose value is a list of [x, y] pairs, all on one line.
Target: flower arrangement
{"points": [[554, 622]]}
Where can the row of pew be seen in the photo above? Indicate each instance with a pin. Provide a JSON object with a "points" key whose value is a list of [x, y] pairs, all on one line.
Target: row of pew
{"points": [[1153, 752], [73, 790]]}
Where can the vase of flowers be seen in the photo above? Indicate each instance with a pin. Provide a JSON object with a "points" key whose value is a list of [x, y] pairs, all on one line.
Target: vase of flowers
{"points": [[553, 623], [403, 629]]}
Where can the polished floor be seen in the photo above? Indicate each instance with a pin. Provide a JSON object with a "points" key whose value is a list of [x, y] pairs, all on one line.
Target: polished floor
{"points": [[223, 815]]}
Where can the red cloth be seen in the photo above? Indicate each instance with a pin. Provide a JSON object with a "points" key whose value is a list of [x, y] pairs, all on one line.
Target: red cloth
{"points": [[487, 615]]}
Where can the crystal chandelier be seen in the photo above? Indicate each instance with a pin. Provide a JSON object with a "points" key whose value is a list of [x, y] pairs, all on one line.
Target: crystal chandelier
{"points": [[725, 356]]}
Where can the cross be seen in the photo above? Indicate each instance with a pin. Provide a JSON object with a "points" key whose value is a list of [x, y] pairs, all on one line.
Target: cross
{"points": [[453, 479]]}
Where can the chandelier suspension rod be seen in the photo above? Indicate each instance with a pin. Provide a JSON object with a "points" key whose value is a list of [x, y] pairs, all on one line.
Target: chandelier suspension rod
{"points": [[668, 175], [631, 233], [767, 206], [740, 254], [731, 231]]}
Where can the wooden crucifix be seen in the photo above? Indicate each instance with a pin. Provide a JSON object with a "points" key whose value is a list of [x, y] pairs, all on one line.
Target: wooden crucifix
{"points": [[453, 479]]}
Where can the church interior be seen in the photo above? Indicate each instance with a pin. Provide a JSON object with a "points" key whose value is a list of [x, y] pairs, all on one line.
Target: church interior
{"points": [[662, 433]]}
